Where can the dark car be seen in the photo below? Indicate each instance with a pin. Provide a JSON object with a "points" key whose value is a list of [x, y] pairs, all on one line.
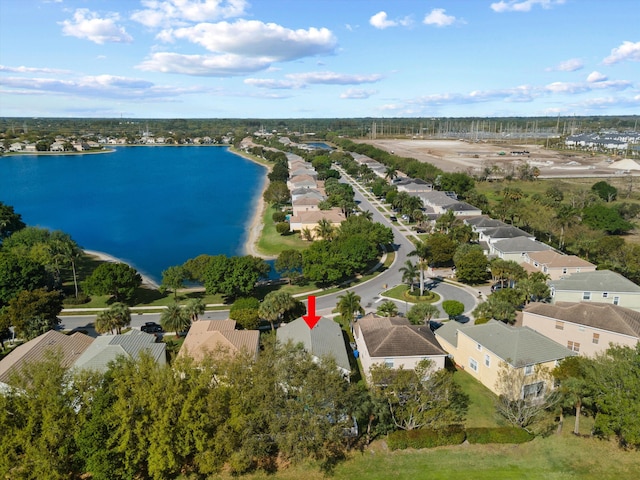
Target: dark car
{"points": [[151, 327], [393, 218], [499, 286]]}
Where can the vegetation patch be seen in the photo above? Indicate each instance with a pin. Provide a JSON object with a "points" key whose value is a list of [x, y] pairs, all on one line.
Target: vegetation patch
{"points": [[425, 438]]}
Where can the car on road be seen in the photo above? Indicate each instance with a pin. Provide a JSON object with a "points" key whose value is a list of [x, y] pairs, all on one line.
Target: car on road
{"points": [[151, 327], [393, 218]]}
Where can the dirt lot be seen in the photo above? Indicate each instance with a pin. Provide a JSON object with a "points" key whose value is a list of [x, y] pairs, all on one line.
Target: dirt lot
{"points": [[472, 157]]}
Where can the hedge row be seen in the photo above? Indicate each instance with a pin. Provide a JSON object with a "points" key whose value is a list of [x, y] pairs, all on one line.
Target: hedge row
{"points": [[498, 435], [455, 435]]}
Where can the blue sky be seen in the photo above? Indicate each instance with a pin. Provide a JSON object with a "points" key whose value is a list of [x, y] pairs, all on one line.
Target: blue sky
{"points": [[318, 58]]}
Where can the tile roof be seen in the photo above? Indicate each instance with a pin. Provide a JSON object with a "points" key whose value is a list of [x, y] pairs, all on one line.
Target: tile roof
{"points": [[519, 346], [396, 337], [553, 259], [326, 338], [520, 245], [484, 222], [33, 351], [106, 348], [506, 231], [598, 281], [598, 315], [207, 337]]}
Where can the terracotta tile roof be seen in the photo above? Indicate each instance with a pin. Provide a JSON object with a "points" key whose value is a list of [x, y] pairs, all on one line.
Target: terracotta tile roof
{"points": [[598, 315], [396, 337], [208, 337], [70, 346], [553, 259]]}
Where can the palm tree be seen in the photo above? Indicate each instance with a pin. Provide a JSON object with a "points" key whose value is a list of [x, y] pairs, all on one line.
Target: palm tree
{"points": [[325, 229], [194, 308], [368, 214], [391, 173], [175, 319], [387, 309], [409, 273], [275, 305], [348, 305], [121, 314], [105, 322], [306, 234], [423, 252]]}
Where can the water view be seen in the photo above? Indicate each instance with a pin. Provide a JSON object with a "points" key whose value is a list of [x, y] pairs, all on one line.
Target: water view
{"points": [[152, 207]]}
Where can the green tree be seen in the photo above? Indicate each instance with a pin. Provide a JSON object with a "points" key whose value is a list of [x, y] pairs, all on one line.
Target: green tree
{"points": [[453, 308], [275, 306], [409, 273], [18, 274], [422, 313], [387, 309], [458, 182], [175, 319], [575, 388], [607, 219], [471, 264], [33, 312], [173, 279], [423, 252], [194, 308], [10, 221], [245, 312], [234, 276], [605, 191], [320, 263], [196, 268], [282, 228], [277, 193], [325, 229], [116, 279], [289, 264], [349, 305], [421, 397]]}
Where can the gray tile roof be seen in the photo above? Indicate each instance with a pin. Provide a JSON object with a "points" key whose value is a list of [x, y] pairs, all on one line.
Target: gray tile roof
{"points": [[519, 346], [396, 337], [520, 245], [507, 231], [483, 222], [598, 315], [33, 351], [325, 339], [106, 348], [598, 281]]}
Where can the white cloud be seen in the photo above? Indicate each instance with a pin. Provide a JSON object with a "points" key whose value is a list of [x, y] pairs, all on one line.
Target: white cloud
{"points": [[89, 25], [172, 12], [438, 18], [523, 5], [626, 51], [203, 65], [596, 77], [257, 39], [333, 78], [381, 21], [570, 65], [272, 84], [23, 69], [357, 94]]}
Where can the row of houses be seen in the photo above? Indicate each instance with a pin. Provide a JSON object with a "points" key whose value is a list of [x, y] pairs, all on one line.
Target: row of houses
{"points": [[603, 141]]}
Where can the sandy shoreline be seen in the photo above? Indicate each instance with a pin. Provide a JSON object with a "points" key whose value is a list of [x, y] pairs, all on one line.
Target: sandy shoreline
{"points": [[146, 281]]}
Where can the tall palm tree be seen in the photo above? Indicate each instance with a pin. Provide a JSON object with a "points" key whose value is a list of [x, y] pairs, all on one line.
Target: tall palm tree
{"points": [[194, 308], [409, 273], [423, 252], [121, 314], [275, 305], [105, 322], [175, 319], [348, 305]]}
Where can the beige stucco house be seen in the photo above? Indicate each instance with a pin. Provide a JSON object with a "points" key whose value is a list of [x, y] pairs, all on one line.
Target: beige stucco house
{"points": [[556, 264], [311, 219], [602, 286], [395, 343], [516, 248], [585, 328], [208, 338], [482, 350]]}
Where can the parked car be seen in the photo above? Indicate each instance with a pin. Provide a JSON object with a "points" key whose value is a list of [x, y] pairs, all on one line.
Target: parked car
{"points": [[393, 218], [151, 327], [499, 285]]}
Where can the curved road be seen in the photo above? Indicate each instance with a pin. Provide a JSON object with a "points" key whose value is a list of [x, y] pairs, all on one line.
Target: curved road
{"points": [[369, 291]]}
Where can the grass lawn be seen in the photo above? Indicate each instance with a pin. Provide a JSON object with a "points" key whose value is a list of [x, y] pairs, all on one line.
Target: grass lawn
{"points": [[401, 292], [271, 243], [482, 412]]}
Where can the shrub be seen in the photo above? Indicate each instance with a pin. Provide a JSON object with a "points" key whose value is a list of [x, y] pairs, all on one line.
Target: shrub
{"points": [[278, 217], [282, 228], [82, 298], [498, 435], [425, 438]]}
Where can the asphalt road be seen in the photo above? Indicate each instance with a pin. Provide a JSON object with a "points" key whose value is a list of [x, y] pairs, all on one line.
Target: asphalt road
{"points": [[369, 291]]}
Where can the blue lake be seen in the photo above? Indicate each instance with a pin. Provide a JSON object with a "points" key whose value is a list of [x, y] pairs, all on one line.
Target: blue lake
{"points": [[152, 207]]}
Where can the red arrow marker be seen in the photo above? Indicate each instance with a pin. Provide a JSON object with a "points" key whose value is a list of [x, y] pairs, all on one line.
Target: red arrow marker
{"points": [[311, 318]]}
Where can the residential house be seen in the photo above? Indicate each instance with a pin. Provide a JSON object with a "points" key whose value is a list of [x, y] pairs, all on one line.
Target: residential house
{"points": [[310, 220], [325, 339], [602, 286], [207, 338], [437, 200], [70, 347], [300, 170], [305, 204], [413, 185], [516, 248], [556, 264], [482, 222], [585, 328], [301, 181], [307, 192], [106, 348], [15, 147], [491, 235], [482, 350], [395, 342]]}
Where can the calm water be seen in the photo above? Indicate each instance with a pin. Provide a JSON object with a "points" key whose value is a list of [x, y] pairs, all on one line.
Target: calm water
{"points": [[153, 207]]}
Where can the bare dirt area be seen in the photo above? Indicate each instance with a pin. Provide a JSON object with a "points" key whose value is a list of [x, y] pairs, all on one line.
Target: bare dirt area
{"points": [[474, 157]]}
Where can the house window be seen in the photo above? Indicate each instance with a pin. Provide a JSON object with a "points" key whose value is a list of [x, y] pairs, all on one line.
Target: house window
{"points": [[565, 270], [528, 369], [478, 347], [605, 294], [388, 362], [596, 338], [586, 295], [533, 390], [573, 346], [616, 300], [536, 264], [559, 325], [487, 360], [473, 364]]}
